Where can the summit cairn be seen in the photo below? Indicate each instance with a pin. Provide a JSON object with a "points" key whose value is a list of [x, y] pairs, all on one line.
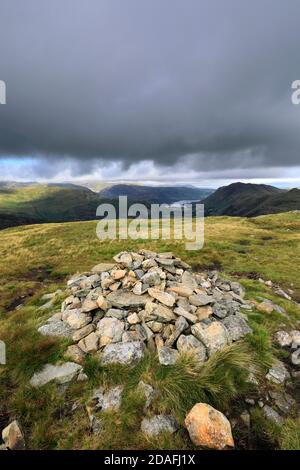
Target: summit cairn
{"points": [[148, 300]]}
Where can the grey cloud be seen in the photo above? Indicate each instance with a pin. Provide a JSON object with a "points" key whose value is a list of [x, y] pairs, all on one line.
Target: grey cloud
{"points": [[205, 83]]}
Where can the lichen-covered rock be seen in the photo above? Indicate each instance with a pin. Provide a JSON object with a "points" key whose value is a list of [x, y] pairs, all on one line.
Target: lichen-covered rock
{"points": [[283, 339], [190, 344], [236, 326], [122, 298], [214, 336], [157, 424], [278, 374], [57, 329], [208, 427], [167, 356], [123, 353]]}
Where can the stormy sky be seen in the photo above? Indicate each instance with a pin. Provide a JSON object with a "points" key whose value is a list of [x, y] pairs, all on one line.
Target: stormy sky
{"points": [[153, 90]]}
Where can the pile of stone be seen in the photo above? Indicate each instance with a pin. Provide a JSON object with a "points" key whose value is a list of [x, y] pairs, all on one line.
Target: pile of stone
{"points": [[149, 300]]}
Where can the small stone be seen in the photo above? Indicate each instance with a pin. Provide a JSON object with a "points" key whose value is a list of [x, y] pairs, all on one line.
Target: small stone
{"points": [[200, 299], [213, 336], [90, 343], [158, 424], [88, 306], [167, 356], [151, 278], [102, 267], [13, 436], [118, 274], [208, 427], [148, 391], [76, 319], [106, 400], [189, 280], [245, 417], [181, 290], [116, 313], [295, 334], [295, 357], [278, 374], [190, 344], [83, 332], [272, 415], [204, 312], [133, 319], [236, 326], [75, 353], [183, 313], [265, 307], [110, 328], [283, 339], [162, 313], [180, 325], [102, 303], [163, 297], [122, 298]]}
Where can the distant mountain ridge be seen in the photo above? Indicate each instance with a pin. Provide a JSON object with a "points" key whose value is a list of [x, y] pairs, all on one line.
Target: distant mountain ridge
{"points": [[249, 200], [155, 194]]}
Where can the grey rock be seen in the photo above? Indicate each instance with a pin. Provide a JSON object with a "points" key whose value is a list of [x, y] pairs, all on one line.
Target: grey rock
{"points": [[158, 424], [272, 415], [295, 357], [122, 298], [105, 400], [60, 374], [200, 299], [56, 329], [214, 336], [116, 313], [283, 339], [148, 391], [283, 401], [111, 328], [278, 374], [236, 326], [190, 344], [183, 313], [123, 353], [167, 356], [180, 325]]}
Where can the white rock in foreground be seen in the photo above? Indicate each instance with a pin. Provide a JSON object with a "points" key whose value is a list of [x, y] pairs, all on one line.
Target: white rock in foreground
{"points": [[60, 374]]}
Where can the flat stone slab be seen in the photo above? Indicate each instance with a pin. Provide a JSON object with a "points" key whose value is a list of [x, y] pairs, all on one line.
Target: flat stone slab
{"points": [[122, 298], [60, 374]]}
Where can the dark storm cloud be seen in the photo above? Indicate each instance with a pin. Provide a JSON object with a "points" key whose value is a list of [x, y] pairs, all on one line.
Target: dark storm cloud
{"points": [[205, 82]]}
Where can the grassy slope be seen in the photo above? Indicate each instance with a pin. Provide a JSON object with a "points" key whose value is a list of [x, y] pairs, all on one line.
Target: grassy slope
{"points": [[37, 259], [46, 203]]}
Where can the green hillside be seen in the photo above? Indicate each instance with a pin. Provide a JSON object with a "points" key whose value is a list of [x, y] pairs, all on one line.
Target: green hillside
{"points": [[38, 259]]}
